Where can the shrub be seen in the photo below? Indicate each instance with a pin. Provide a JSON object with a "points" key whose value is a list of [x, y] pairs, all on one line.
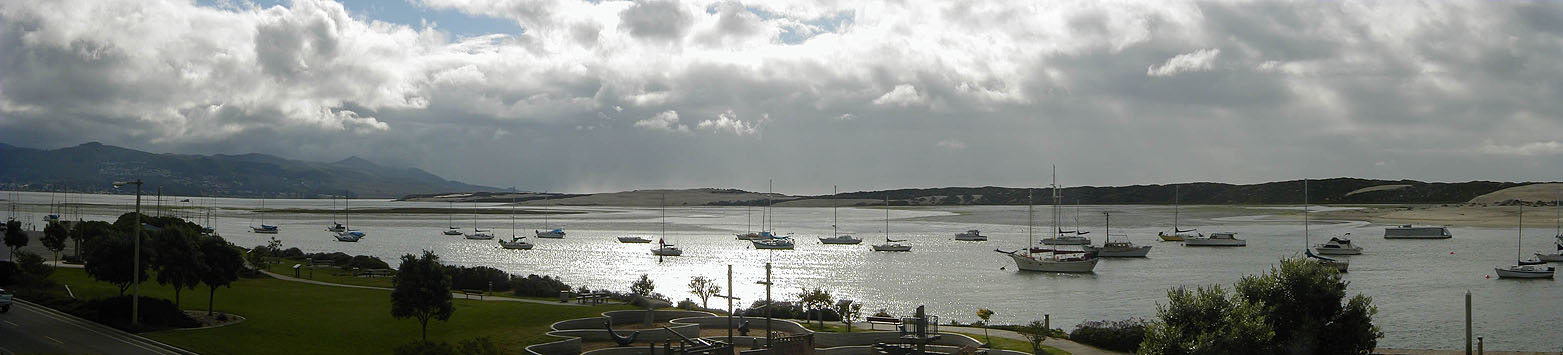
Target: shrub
{"points": [[155, 313], [367, 262], [1124, 335], [424, 347], [537, 286], [478, 278]]}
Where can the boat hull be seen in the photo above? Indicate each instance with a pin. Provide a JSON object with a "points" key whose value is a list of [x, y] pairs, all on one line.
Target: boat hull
{"points": [[1338, 251], [1138, 251], [667, 252], [480, 236], [1417, 233], [550, 235], [1027, 263], [1555, 257], [972, 239], [452, 232], [1214, 243], [1051, 241], [520, 246], [1524, 273], [633, 240], [772, 246], [892, 247], [823, 240], [1171, 238]]}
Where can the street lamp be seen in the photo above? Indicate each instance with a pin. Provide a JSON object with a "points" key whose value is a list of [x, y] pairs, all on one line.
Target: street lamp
{"points": [[135, 272]]}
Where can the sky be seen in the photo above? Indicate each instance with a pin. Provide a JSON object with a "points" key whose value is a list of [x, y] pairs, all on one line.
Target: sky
{"points": [[592, 96]]}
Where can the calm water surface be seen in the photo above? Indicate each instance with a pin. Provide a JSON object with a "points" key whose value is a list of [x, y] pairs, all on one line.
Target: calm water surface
{"points": [[1418, 285]]}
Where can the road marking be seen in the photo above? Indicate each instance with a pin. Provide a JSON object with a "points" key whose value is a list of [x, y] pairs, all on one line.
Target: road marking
{"points": [[55, 340], [13, 324]]}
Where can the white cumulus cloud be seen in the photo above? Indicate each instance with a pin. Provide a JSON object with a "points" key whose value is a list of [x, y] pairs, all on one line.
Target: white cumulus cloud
{"points": [[665, 121], [1199, 60], [903, 95], [727, 122]]}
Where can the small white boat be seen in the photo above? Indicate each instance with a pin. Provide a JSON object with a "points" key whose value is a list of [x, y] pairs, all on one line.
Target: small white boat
{"points": [[1339, 246], [665, 249], [1067, 240], [1121, 249], [782, 243], [1177, 234], [749, 236], [841, 239], [890, 244], [1523, 269], [971, 236], [1224, 239], [556, 233], [450, 219], [515, 242], [480, 235], [336, 227], [634, 239], [453, 231], [349, 236], [1414, 232], [265, 229], [1555, 256]]}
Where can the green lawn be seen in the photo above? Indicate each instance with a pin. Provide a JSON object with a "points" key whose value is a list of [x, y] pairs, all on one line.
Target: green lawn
{"points": [[285, 317], [1016, 345], [328, 274]]}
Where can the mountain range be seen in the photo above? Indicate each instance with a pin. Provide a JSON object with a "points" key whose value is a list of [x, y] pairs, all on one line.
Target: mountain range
{"points": [[93, 167]]}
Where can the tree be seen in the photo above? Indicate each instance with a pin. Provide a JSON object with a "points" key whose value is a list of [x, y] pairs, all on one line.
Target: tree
{"points": [[850, 314], [109, 258], [85, 231], [31, 268], [220, 266], [1295, 308], [1035, 333], [178, 261], [422, 290], [984, 314], [15, 238], [704, 288], [260, 255], [54, 237], [643, 287], [816, 300]]}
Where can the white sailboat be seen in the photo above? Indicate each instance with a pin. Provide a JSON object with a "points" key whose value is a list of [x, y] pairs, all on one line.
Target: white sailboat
{"points": [[516, 241], [264, 228], [890, 244], [556, 233], [1119, 249], [1522, 269], [663, 248], [1063, 237], [347, 234], [836, 237], [749, 225], [1557, 255], [1050, 259], [450, 219], [478, 234], [1177, 234], [336, 227], [1339, 265]]}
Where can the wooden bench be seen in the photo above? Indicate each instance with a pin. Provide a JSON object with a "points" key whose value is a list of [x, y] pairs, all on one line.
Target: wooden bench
{"points": [[376, 272], [872, 320], [594, 298], [321, 262], [469, 293]]}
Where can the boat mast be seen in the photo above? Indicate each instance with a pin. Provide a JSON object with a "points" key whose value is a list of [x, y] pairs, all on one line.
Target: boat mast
{"points": [[887, 217], [833, 219], [1305, 214], [1056, 229], [1175, 194], [664, 238], [475, 216], [1518, 241], [347, 216], [765, 218], [1030, 239], [1108, 234], [450, 216], [512, 218]]}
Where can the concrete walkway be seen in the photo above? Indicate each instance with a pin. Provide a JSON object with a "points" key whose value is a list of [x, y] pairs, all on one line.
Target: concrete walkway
{"points": [[453, 294], [1387, 351], [1062, 344]]}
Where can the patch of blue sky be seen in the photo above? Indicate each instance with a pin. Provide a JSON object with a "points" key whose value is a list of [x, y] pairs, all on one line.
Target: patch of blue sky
{"points": [[403, 13]]}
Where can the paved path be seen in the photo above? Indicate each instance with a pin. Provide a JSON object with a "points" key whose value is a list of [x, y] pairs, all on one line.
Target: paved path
{"points": [[453, 294], [1388, 351], [30, 328], [1062, 344]]}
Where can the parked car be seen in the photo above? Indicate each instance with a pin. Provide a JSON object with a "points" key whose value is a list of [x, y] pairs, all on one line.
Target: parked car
{"points": [[5, 301]]}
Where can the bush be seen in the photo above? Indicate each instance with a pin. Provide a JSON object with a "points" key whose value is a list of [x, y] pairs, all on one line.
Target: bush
{"points": [[474, 346], [156, 313], [688, 304], [367, 262], [1124, 335], [291, 253], [537, 286], [479, 278]]}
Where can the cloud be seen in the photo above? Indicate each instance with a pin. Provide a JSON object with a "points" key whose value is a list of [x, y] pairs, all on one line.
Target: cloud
{"points": [[845, 117], [903, 95], [727, 122], [1199, 60], [951, 144], [665, 121], [1525, 149]]}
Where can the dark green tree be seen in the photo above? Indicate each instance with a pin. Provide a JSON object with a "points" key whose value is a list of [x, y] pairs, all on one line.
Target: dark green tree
{"points": [[110, 258], [816, 300], [15, 238], [643, 286], [1207, 321], [221, 263], [704, 287], [1035, 333], [178, 261], [84, 231], [1301, 302], [54, 237], [422, 290], [33, 270]]}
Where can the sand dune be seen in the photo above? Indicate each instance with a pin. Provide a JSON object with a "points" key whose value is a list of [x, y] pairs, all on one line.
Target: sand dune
{"points": [[1533, 192]]}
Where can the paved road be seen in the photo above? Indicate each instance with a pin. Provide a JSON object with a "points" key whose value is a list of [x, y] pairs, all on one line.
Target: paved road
{"points": [[29, 328]]}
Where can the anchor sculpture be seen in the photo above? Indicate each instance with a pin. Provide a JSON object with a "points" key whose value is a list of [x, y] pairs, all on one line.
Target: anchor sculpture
{"points": [[619, 339]]}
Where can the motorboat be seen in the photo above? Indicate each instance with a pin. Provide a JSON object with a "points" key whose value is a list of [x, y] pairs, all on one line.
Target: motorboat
{"points": [[349, 236], [1407, 231], [971, 236], [1338, 265], [1223, 239], [634, 239], [556, 233], [1117, 249], [1522, 269], [841, 239], [782, 243], [1339, 246], [515, 242]]}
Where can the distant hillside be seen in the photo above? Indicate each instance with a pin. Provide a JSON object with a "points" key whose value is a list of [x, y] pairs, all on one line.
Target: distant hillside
{"points": [[1324, 191], [93, 167]]}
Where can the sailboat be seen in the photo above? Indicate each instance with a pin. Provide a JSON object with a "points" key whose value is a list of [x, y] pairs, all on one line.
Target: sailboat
{"points": [[1339, 265], [336, 227], [663, 248], [347, 234], [516, 241], [890, 244], [836, 237], [1050, 260], [749, 223], [1177, 234], [478, 234], [768, 239], [450, 219], [1555, 256], [1523, 269], [1063, 237], [264, 228], [1123, 249], [556, 233]]}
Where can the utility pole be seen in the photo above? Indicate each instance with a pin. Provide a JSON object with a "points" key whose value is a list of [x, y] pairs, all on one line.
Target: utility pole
{"points": [[135, 272], [730, 300], [768, 302]]}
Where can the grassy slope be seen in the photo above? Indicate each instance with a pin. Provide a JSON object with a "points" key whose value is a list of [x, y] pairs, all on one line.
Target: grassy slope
{"points": [[289, 317]]}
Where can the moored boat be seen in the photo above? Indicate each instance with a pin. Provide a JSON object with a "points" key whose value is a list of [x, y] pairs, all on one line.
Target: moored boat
{"points": [[1407, 231], [1339, 246], [1222, 239]]}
